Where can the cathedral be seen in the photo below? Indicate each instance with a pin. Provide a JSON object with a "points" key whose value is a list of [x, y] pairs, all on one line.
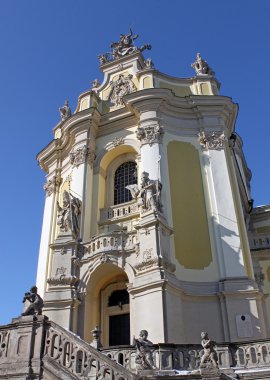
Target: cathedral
{"points": [[149, 231]]}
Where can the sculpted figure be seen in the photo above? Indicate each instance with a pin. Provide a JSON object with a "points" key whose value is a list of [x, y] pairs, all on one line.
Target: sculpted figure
{"points": [[35, 302], [144, 355], [148, 193], [68, 214], [209, 353], [201, 67], [123, 47], [65, 111]]}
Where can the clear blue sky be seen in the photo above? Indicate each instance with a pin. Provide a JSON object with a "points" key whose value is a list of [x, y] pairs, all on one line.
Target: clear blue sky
{"points": [[49, 54]]}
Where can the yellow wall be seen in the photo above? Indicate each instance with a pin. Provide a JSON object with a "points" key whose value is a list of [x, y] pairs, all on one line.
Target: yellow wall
{"points": [[191, 235], [178, 90]]}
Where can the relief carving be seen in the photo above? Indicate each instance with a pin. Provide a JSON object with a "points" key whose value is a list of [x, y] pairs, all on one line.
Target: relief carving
{"points": [[214, 140], [81, 156], [149, 134], [121, 87], [118, 141], [61, 278], [52, 185]]}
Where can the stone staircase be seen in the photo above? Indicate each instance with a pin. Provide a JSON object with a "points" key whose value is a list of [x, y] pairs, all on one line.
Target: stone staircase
{"points": [[36, 348]]}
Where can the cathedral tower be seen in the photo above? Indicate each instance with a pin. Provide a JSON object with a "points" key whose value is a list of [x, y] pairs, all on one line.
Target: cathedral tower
{"points": [[146, 203]]}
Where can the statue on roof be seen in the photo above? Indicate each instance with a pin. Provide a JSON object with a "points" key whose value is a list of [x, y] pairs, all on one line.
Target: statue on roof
{"points": [[65, 111], [201, 67], [123, 47]]}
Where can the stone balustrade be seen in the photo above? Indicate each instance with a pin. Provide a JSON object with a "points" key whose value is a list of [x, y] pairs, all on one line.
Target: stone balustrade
{"points": [[112, 241], [125, 210], [35, 345], [79, 358], [259, 242], [169, 356]]}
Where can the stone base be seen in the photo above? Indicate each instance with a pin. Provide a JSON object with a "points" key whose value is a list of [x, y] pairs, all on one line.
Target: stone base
{"points": [[210, 373]]}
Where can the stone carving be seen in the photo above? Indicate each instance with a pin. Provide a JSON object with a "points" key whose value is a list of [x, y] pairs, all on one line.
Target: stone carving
{"points": [[144, 352], [95, 83], [123, 47], [148, 194], [82, 155], [69, 213], [63, 280], [118, 141], [121, 87], [147, 254], [146, 264], [214, 140], [33, 303], [201, 67], [65, 111], [149, 63], [51, 185], [149, 134], [209, 356]]}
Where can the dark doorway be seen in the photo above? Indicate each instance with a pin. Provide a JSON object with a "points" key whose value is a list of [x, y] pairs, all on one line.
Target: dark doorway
{"points": [[119, 327]]}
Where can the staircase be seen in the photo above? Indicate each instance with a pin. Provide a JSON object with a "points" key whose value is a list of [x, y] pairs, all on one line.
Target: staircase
{"points": [[66, 352]]}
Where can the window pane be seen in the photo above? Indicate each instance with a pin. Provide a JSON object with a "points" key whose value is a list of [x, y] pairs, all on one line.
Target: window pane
{"points": [[125, 175]]}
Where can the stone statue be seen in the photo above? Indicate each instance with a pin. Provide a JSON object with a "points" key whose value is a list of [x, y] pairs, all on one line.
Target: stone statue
{"points": [[95, 83], [201, 67], [68, 214], [209, 354], [65, 111], [121, 87], [35, 302], [149, 63], [144, 352], [148, 193], [123, 47]]}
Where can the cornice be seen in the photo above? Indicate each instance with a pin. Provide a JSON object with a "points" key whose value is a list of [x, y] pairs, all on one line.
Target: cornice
{"points": [[76, 124]]}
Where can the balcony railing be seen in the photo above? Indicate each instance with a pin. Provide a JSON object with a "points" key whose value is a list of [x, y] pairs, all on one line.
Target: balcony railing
{"points": [[112, 241], [260, 242], [122, 211]]}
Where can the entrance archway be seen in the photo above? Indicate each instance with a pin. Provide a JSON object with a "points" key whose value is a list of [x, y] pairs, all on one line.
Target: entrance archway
{"points": [[107, 305]]}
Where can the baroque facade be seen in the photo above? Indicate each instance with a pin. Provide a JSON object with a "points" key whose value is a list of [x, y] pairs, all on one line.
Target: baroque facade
{"points": [[148, 225]]}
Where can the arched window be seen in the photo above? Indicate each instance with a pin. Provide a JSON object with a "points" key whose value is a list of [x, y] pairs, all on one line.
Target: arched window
{"points": [[125, 175]]}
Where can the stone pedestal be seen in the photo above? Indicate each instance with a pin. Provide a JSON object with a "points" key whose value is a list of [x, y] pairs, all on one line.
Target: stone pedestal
{"points": [[23, 348]]}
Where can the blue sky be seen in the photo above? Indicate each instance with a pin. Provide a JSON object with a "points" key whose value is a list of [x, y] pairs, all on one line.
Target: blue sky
{"points": [[49, 54]]}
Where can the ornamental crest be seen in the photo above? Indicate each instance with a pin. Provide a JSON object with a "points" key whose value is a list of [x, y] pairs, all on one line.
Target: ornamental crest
{"points": [[121, 87], [214, 140]]}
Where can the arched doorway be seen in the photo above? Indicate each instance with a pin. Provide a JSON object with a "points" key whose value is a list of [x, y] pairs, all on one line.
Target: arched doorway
{"points": [[107, 305]]}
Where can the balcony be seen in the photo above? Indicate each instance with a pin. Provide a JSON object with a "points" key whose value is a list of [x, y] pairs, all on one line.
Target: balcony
{"points": [[117, 241]]}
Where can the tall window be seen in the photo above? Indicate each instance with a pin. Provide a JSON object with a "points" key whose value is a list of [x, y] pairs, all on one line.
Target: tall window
{"points": [[125, 175]]}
